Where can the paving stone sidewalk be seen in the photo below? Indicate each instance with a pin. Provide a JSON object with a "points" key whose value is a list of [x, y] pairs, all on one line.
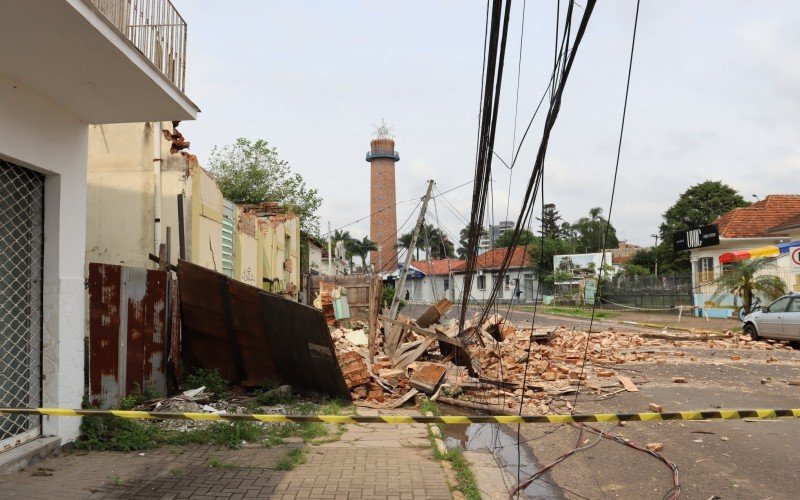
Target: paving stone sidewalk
{"points": [[370, 461]]}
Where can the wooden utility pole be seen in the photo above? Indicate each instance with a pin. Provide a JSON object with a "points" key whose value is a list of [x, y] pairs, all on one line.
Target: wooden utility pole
{"points": [[398, 289]]}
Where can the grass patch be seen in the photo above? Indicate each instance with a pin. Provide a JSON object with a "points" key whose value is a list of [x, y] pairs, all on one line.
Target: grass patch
{"points": [[229, 434], [465, 479], [291, 459], [217, 463], [117, 434], [115, 481]]}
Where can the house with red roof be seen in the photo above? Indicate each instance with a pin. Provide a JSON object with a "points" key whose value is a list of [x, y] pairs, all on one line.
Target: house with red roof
{"points": [[767, 228], [519, 276]]}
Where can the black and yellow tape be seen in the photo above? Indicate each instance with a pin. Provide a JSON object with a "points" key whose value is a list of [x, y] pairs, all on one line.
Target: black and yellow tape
{"points": [[420, 419]]}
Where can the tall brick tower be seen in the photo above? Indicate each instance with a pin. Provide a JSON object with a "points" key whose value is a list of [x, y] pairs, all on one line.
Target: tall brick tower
{"points": [[383, 222]]}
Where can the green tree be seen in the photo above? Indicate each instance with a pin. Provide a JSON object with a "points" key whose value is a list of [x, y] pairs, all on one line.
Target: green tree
{"points": [[504, 240], [631, 269], [404, 243], [552, 224], [440, 246], [252, 172], [645, 258], [362, 248], [745, 278], [698, 206], [463, 241], [542, 253], [590, 231]]}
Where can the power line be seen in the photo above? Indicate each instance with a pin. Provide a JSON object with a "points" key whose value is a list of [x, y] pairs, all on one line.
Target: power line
{"points": [[613, 191]]}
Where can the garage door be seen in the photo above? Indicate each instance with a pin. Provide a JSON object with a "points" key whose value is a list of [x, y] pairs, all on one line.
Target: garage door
{"points": [[21, 240]]}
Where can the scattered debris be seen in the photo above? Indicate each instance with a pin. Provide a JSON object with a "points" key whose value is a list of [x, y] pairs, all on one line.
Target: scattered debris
{"points": [[678, 380], [656, 408], [655, 446], [627, 383], [427, 377]]}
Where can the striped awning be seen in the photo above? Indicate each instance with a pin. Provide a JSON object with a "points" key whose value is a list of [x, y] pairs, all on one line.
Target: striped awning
{"points": [[766, 251]]}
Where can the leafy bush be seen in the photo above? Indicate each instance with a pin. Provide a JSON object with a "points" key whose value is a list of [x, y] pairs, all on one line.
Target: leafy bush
{"points": [[388, 296], [117, 434], [211, 379]]}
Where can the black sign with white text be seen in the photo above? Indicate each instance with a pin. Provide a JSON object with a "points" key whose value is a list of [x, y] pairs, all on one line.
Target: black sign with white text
{"points": [[700, 237]]}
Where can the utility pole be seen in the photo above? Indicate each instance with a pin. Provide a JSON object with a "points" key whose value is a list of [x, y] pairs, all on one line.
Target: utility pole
{"points": [[399, 287], [655, 259], [330, 259]]}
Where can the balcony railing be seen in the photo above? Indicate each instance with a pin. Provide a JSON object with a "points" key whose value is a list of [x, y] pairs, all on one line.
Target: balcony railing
{"points": [[156, 28]]}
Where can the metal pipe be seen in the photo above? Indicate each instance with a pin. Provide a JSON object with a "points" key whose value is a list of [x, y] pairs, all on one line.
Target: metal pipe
{"points": [[330, 257], [156, 129]]}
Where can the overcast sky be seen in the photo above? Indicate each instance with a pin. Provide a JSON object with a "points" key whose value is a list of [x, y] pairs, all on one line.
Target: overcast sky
{"points": [[715, 94]]}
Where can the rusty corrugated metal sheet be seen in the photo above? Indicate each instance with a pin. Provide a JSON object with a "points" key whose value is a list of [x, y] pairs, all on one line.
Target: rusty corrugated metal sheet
{"points": [[250, 335], [127, 332]]}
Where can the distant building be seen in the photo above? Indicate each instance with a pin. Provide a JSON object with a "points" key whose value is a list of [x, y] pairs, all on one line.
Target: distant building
{"points": [[624, 253], [487, 266]]}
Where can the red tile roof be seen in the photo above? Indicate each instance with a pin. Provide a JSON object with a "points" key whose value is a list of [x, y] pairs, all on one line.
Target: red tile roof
{"points": [[436, 267], [757, 219], [789, 224], [494, 258]]}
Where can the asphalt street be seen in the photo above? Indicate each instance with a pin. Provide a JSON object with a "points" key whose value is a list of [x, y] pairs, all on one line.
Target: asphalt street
{"points": [[715, 459]]}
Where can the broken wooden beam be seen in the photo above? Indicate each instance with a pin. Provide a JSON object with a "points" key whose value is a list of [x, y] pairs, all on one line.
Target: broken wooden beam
{"points": [[421, 331]]}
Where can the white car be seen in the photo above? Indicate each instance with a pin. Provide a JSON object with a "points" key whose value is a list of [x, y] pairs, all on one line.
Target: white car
{"points": [[780, 320]]}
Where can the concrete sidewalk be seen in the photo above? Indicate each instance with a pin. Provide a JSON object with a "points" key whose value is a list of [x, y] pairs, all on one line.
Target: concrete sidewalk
{"points": [[369, 461]]}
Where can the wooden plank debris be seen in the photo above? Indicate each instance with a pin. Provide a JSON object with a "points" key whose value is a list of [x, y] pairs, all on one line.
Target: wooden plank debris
{"points": [[434, 313], [627, 383], [427, 377]]}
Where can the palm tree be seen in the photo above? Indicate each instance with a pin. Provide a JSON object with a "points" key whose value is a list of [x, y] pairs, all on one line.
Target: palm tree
{"points": [[404, 243], [347, 241], [363, 248], [740, 280]]}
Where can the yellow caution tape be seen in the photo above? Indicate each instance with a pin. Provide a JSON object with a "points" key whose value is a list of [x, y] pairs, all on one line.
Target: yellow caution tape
{"points": [[419, 419]]}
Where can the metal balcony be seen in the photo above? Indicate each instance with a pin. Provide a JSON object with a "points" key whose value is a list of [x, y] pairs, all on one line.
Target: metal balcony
{"points": [[155, 28], [393, 155]]}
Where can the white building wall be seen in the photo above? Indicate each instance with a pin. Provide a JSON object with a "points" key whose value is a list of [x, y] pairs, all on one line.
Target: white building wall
{"points": [[704, 288], [482, 294], [36, 134]]}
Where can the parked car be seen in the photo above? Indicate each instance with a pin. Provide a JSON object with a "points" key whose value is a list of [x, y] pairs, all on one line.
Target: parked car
{"points": [[779, 320]]}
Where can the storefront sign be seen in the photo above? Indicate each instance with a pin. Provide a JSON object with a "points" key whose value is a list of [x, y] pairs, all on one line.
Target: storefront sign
{"points": [[700, 237]]}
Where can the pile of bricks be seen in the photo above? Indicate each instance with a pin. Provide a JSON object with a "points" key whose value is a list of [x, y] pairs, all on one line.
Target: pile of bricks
{"points": [[354, 369]]}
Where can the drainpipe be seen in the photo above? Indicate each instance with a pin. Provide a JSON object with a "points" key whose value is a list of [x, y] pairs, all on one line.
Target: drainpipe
{"points": [[156, 127]]}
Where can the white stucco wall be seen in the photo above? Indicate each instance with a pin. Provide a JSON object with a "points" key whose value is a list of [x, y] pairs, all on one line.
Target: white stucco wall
{"points": [[482, 295], [37, 134]]}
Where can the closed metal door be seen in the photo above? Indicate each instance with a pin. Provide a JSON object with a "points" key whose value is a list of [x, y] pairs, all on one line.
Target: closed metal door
{"points": [[529, 297], [21, 241]]}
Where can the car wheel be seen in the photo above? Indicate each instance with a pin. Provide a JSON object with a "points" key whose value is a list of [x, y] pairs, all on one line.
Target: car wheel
{"points": [[750, 329]]}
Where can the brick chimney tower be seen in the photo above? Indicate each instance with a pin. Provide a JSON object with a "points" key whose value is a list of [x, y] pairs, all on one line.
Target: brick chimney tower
{"points": [[383, 221]]}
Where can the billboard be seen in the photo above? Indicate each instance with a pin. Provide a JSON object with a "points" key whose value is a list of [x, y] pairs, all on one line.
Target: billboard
{"points": [[700, 237]]}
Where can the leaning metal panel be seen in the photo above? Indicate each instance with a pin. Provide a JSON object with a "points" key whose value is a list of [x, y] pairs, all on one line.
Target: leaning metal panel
{"points": [[21, 241]]}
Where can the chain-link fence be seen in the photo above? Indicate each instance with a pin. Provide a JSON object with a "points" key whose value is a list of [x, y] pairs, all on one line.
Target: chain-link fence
{"points": [[21, 240]]}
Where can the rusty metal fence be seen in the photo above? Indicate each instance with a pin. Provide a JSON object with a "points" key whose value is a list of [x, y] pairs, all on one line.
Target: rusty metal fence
{"points": [[21, 242], [156, 28]]}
